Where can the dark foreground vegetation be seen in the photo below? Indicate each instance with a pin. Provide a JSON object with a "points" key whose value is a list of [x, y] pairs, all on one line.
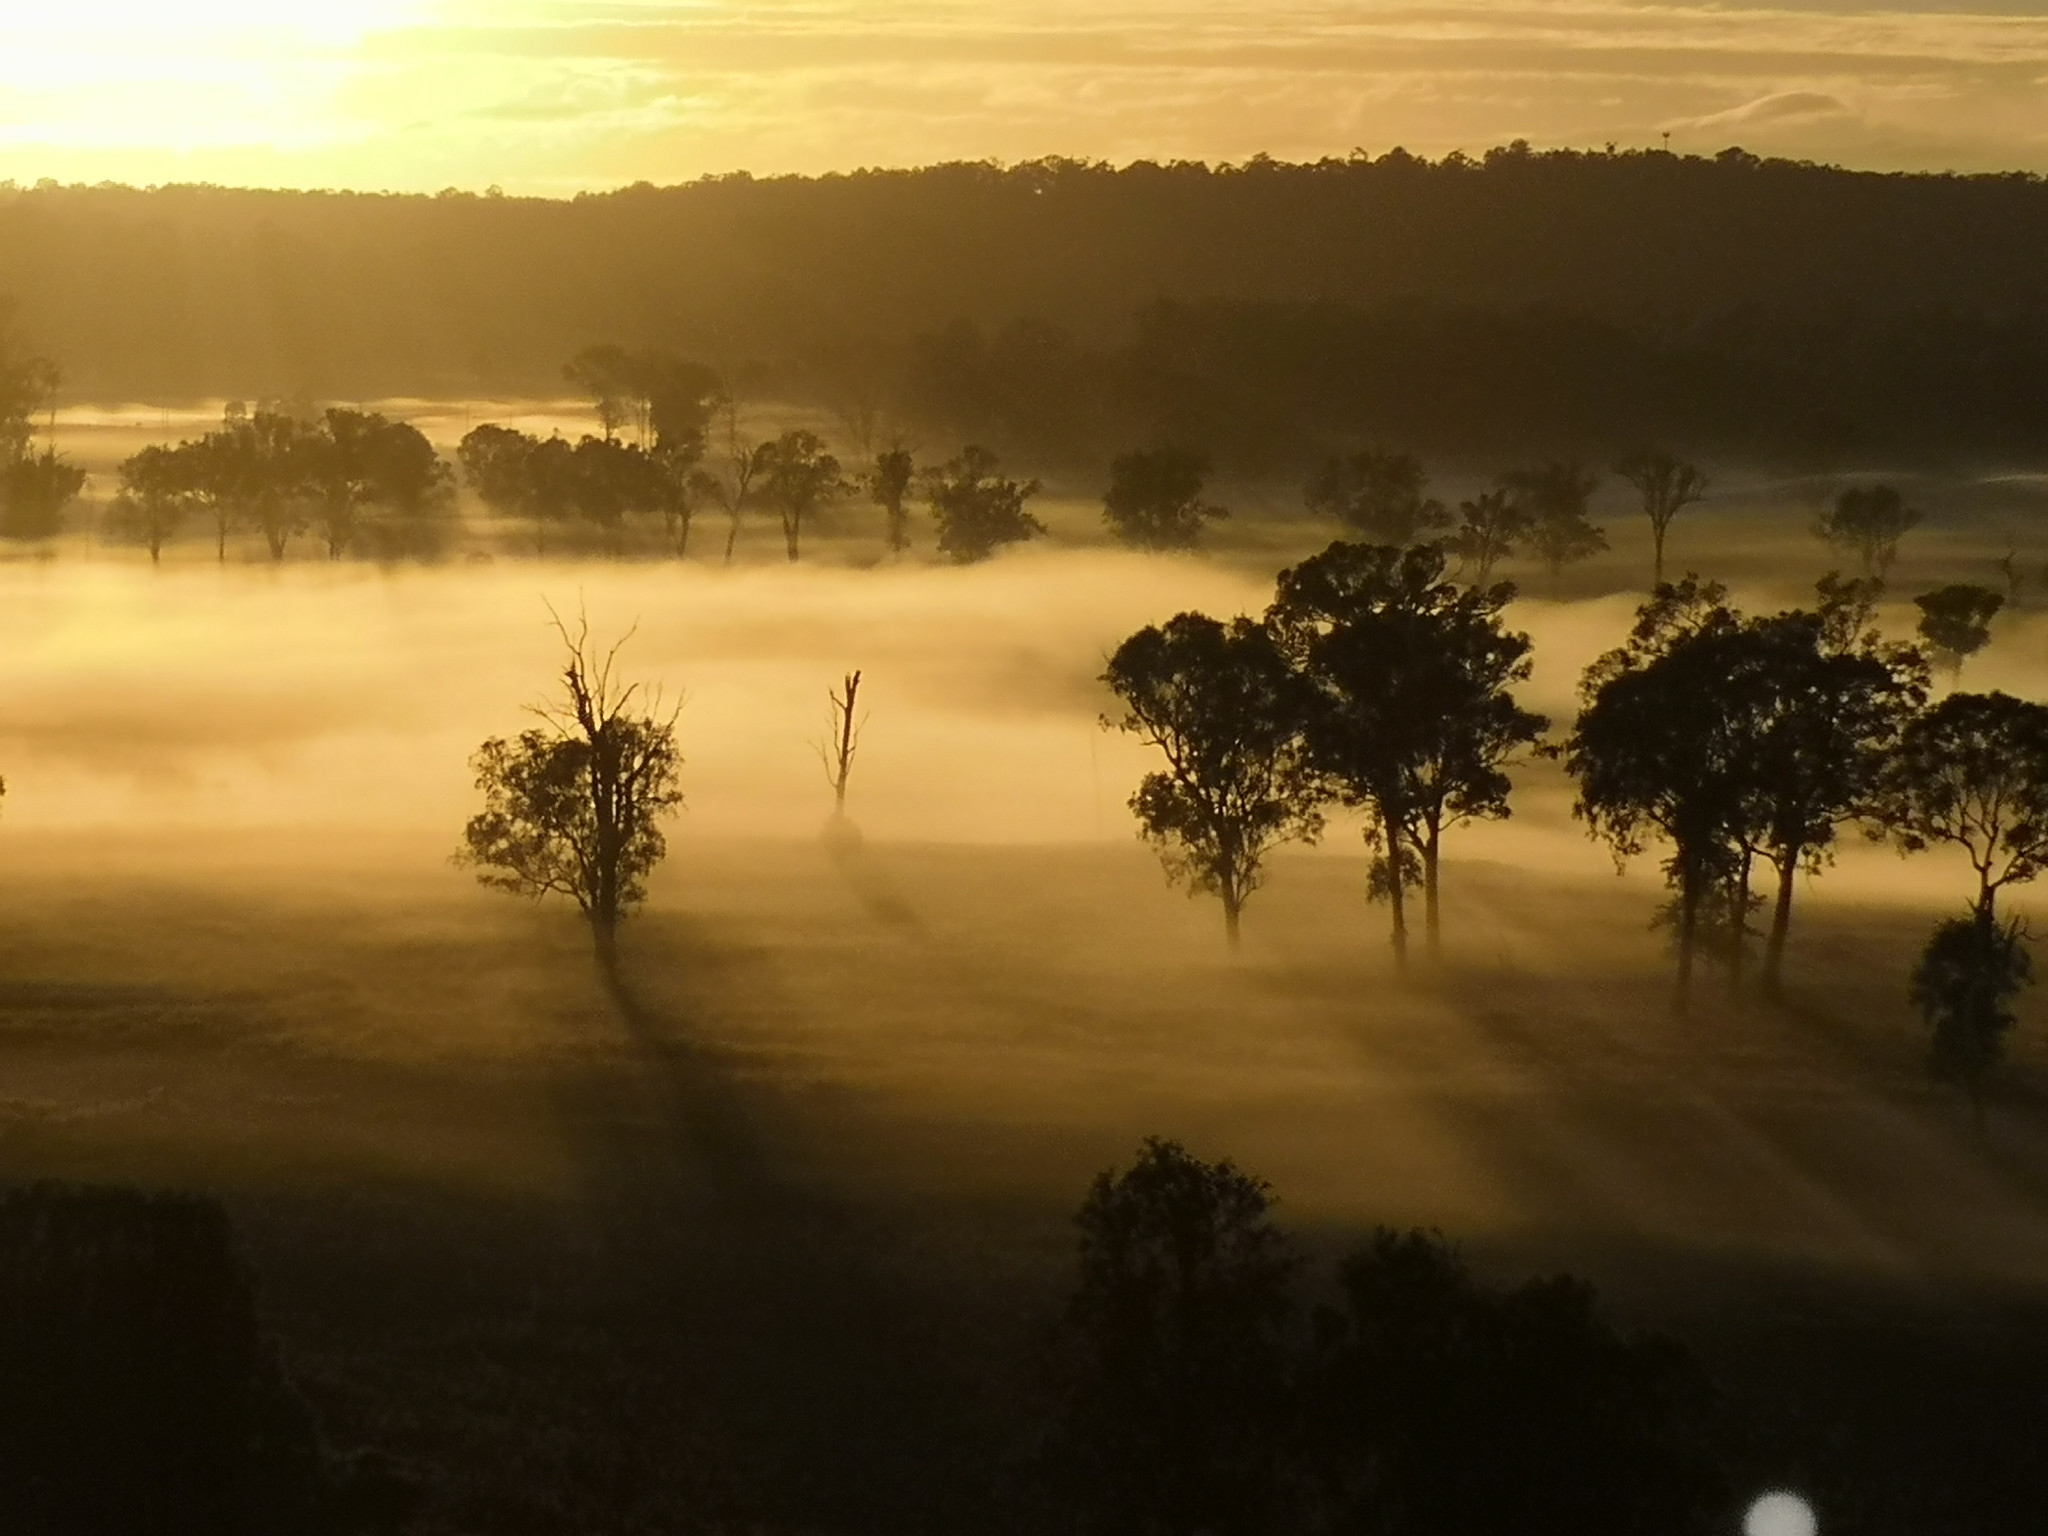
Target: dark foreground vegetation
{"points": [[1522, 303]]}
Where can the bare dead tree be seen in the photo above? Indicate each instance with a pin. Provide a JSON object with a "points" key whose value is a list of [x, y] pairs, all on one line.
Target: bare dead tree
{"points": [[838, 749], [573, 807]]}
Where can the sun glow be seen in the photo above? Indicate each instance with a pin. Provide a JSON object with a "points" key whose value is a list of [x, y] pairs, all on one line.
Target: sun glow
{"points": [[555, 96]]}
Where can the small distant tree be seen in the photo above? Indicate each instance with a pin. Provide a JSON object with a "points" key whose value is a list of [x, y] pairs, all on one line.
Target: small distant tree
{"points": [[1379, 494], [1667, 485], [1955, 621], [1553, 498], [1223, 705], [1964, 986], [977, 510], [1972, 772], [1491, 527], [361, 460], [609, 482], [889, 485], [603, 373], [573, 807], [154, 498], [1177, 1347], [1868, 521], [34, 488], [1155, 499], [799, 479], [745, 460], [34, 492]]}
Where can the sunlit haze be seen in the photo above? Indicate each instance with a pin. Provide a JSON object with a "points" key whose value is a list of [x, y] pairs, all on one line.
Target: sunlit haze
{"points": [[551, 96]]}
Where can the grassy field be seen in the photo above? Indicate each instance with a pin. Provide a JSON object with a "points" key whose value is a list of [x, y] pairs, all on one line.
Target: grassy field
{"points": [[768, 1232], [766, 1235]]}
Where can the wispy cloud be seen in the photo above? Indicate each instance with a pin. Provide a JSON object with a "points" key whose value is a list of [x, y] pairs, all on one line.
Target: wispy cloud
{"points": [[554, 94]]}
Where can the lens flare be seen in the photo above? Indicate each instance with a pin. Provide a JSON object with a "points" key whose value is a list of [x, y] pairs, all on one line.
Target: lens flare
{"points": [[1780, 1514]]}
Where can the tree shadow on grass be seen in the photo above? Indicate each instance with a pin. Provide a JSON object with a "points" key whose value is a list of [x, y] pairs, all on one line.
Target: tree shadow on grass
{"points": [[848, 1377]]}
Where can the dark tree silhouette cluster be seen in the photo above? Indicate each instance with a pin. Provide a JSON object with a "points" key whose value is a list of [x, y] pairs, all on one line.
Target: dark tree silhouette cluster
{"points": [[1728, 738], [1371, 681], [34, 487], [357, 477], [1199, 1395]]}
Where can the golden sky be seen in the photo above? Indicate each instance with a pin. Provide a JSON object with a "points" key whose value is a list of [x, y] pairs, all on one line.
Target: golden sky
{"points": [[553, 96]]}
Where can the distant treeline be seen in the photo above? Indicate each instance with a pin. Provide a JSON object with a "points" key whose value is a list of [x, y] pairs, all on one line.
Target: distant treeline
{"points": [[1582, 301]]}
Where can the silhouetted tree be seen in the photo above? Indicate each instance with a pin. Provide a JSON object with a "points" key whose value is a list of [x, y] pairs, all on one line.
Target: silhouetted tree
{"points": [[1964, 986], [1668, 485], [362, 459], [977, 510], [1661, 747], [667, 403], [1491, 527], [271, 462], [610, 481], [889, 485], [1408, 707], [1155, 499], [1377, 493], [799, 478], [154, 499], [744, 462], [1553, 498], [682, 401], [601, 372], [574, 806], [1221, 702], [1176, 1417], [1435, 1406], [1955, 621], [1868, 521], [1826, 700], [28, 383], [34, 492], [1973, 772]]}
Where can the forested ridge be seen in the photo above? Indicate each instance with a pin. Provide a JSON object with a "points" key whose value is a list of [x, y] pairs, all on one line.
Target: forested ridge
{"points": [[1783, 310]]}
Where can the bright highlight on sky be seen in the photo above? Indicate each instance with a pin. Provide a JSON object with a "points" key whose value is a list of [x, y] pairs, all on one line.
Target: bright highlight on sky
{"points": [[553, 96]]}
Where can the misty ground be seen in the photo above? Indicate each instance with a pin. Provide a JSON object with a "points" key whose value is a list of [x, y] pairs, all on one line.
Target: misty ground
{"points": [[767, 1234], [770, 1232]]}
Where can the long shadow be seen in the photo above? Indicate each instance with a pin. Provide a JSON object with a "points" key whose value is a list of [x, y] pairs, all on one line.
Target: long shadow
{"points": [[849, 1375]]}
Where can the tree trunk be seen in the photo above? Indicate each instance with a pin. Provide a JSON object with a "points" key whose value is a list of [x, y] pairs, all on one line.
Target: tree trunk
{"points": [[1397, 895], [1773, 983], [1739, 953], [792, 535], [732, 537], [1688, 928], [1232, 907], [1432, 923], [1657, 537]]}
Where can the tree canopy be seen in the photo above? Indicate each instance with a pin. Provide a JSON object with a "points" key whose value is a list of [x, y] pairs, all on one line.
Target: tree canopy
{"points": [[1223, 706]]}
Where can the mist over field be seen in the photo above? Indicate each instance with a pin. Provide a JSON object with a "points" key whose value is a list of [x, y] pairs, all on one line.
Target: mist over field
{"points": [[752, 1205]]}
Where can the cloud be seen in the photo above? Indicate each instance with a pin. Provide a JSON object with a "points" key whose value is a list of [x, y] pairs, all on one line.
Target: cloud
{"points": [[1780, 107]]}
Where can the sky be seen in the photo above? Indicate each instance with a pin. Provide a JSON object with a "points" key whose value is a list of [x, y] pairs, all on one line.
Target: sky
{"points": [[556, 96]]}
